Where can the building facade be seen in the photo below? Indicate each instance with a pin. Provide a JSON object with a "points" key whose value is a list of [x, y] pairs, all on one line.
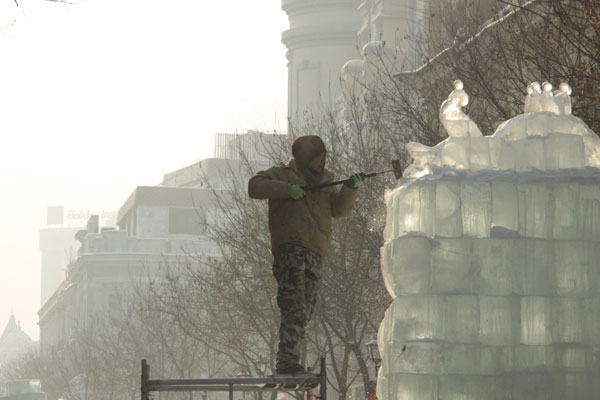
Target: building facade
{"points": [[324, 35], [401, 24], [253, 146], [321, 38], [58, 246], [155, 227]]}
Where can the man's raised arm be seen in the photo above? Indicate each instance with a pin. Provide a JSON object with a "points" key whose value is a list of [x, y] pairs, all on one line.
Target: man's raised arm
{"points": [[265, 185]]}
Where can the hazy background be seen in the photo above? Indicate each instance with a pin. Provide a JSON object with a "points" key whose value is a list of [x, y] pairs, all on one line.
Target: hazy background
{"points": [[100, 97]]}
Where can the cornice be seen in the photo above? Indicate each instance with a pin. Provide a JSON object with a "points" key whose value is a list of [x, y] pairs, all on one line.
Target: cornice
{"points": [[321, 34], [294, 7]]}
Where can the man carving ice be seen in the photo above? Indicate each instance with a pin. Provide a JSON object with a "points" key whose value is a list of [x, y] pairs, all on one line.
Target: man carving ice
{"points": [[300, 226]]}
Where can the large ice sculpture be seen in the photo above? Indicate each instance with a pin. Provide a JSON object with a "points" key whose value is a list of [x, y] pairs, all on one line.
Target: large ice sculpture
{"points": [[492, 256]]}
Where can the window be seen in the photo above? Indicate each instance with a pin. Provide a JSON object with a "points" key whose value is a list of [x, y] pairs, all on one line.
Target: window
{"points": [[187, 221]]}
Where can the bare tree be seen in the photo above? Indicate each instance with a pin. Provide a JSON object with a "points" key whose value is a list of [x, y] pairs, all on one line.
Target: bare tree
{"points": [[497, 55], [101, 360]]}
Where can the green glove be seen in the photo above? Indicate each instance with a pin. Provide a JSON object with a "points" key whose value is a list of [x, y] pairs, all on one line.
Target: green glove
{"points": [[357, 180], [296, 191]]}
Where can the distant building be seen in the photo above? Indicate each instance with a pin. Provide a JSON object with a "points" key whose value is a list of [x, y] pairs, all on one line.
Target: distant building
{"points": [[253, 145], [27, 389], [14, 342], [399, 23], [154, 226], [321, 38], [58, 246], [324, 35]]}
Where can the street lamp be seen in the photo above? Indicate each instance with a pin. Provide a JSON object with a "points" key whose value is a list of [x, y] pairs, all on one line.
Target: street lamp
{"points": [[261, 366], [374, 355], [373, 351], [243, 374]]}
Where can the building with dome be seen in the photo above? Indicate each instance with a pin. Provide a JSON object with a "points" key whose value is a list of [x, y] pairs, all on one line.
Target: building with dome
{"points": [[14, 342]]}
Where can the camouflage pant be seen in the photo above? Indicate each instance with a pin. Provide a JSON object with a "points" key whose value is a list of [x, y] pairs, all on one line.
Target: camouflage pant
{"points": [[298, 271]]}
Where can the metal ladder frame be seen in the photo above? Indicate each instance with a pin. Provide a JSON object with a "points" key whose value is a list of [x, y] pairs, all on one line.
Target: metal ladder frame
{"points": [[231, 384]]}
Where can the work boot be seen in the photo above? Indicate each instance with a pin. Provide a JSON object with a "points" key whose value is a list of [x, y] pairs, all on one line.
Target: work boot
{"points": [[290, 369]]}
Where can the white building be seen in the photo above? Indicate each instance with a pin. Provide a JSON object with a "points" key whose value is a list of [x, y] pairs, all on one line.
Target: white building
{"points": [[325, 34], [58, 246], [399, 23], [253, 146], [155, 225], [321, 38]]}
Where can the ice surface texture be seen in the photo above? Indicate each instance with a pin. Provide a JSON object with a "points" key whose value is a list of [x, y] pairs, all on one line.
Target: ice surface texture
{"points": [[523, 206], [492, 256], [486, 291]]}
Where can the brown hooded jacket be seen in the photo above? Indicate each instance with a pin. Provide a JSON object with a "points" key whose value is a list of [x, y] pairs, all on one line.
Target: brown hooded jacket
{"points": [[306, 221]]}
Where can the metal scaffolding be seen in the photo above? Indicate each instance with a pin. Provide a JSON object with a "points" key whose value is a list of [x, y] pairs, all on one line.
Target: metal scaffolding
{"points": [[298, 383]]}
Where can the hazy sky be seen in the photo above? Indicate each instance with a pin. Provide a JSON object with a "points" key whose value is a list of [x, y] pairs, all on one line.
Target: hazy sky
{"points": [[100, 97]]}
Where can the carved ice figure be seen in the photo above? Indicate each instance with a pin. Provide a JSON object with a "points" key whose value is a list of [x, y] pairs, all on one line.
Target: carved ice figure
{"points": [[532, 101], [542, 98], [562, 98], [547, 102], [454, 120]]}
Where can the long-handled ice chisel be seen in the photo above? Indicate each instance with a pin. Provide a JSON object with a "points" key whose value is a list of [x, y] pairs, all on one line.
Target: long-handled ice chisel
{"points": [[396, 169]]}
